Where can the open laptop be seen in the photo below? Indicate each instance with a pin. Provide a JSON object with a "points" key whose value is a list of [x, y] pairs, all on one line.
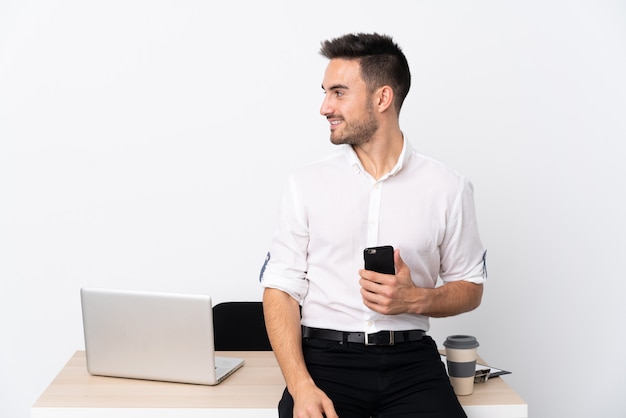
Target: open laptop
{"points": [[153, 336]]}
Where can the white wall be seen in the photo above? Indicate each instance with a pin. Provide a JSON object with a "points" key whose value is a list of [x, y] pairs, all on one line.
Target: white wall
{"points": [[144, 144]]}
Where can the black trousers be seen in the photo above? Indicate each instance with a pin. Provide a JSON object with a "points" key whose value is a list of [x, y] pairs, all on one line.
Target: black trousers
{"points": [[403, 380]]}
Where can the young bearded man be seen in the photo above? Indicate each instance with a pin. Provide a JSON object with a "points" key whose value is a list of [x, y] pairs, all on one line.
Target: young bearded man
{"points": [[352, 342]]}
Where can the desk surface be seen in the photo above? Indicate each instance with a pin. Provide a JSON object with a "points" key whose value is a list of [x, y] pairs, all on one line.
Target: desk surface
{"points": [[254, 390]]}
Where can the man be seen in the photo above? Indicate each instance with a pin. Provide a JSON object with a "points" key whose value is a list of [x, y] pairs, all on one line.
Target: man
{"points": [[351, 342]]}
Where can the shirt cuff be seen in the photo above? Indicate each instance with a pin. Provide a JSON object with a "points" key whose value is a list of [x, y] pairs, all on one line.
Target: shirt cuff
{"points": [[296, 288]]}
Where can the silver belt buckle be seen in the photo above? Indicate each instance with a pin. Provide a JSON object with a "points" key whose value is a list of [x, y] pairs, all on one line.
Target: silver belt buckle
{"points": [[391, 339]]}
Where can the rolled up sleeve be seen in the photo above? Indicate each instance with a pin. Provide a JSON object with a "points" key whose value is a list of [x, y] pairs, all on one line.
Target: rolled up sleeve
{"points": [[462, 254], [285, 266]]}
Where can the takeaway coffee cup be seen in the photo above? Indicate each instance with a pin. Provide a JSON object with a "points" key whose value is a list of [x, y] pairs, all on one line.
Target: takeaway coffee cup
{"points": [[461, 361]]}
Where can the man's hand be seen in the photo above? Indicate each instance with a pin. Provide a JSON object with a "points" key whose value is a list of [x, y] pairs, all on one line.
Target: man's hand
{"points": [[312, 402], [387, 293]]}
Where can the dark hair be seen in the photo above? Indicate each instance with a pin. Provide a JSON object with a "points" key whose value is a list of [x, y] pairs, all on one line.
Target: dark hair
{"points": [[381, 59]]}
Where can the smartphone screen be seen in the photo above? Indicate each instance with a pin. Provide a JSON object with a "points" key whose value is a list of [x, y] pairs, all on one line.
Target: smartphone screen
{"points": [[379, 259]]}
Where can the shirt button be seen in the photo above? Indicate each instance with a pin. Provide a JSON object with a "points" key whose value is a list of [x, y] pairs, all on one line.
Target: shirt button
{"points": [[370, 324]]}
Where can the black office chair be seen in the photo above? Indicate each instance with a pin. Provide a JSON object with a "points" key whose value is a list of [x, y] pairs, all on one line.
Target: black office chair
{"points": [[240, 326]]}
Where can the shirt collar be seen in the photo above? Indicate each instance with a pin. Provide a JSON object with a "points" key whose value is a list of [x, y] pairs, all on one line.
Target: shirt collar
{"points": [[354, 161]]}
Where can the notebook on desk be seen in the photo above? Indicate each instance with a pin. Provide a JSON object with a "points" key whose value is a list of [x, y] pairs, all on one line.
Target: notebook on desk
{"points": [[152, 336]]}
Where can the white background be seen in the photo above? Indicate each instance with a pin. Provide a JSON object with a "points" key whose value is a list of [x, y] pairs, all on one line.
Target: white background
{"points": [[144, 145]]}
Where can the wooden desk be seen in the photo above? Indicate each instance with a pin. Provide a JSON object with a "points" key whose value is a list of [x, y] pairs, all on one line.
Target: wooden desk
{"points": [[252, 391]]}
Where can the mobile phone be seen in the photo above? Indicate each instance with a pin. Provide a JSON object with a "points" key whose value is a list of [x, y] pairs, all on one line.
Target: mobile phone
{"points": [[379, 259]]}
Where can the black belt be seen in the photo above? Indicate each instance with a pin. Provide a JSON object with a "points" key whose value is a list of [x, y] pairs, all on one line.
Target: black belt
{"points": [[379, 338]]}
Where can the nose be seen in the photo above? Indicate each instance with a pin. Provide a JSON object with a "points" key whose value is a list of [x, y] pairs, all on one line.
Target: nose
{"points": [[326, 108]]}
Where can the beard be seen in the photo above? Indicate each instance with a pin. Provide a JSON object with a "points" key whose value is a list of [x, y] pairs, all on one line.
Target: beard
{"points": [[357, 132]]}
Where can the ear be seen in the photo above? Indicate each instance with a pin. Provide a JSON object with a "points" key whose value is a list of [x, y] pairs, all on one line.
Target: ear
{"points": [[384, 98]]}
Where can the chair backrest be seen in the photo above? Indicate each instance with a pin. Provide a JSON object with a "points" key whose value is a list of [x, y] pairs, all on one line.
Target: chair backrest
{"points": [[240, 326]]}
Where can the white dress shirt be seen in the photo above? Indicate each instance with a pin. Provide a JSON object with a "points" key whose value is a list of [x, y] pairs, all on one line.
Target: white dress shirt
{"points": [[333, 209]]}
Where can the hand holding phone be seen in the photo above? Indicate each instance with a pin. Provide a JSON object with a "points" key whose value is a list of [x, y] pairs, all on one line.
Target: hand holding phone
{"points": [[379, 259]]}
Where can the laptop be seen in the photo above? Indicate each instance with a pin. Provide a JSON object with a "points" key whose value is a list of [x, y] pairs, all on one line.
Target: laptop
{"points": [[152, 336]]}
